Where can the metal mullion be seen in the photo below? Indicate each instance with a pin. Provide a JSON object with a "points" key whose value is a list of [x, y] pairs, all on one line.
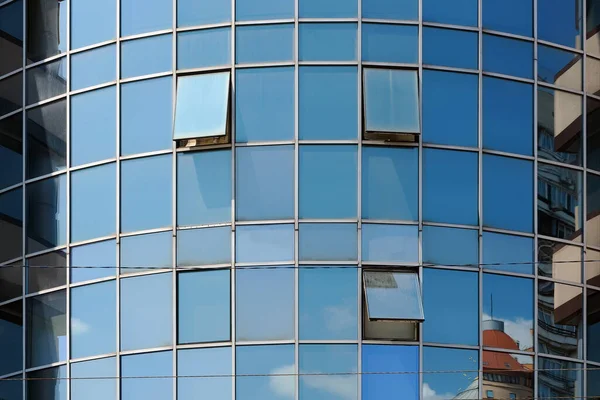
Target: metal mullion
{"points": [[359, 124], [584, 238], [534, 205], [480, 188], [420, 189], [68, 205], [174, 273], [232, 274], [118, 201], [24, 205], [296, 200]]}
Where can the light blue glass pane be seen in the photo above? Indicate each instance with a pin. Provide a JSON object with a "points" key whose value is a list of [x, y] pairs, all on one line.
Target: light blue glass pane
{"points": [[146, 56], [328, 359], [391, 100], [507, 116], [264, 243], [93, 67], [267, 360], [146, 312], [507, 193], [202, 12], [328, 103], [46, 213], [561, 21], [202, 105], [328, 8], [149, 365], [210, 361], [450, 48], [92, 22], [264, 304], [445, 122], [46, 329], [445, 290], [450, 246], [456, 12], [500, 249], [390, 9], [327, 42], [204, 48], [146, 252], [390, 43], [93, 126], [11, 335], [448, 385], [264, 100], [328, 181], [101, 254], [203, 187], [204, 246], [507, 56], [93, 202], [203, 306], [247, 10], [393, 296], [146, 116], [450, 186], [328, 242], [146, 197], [98, 388], [402, 362], [390, 178], [264, 43], [559, 67], [140, 16], [93, 319], [393, 243], [47, 384], [265, 182], [328, 304], [512, 16]]}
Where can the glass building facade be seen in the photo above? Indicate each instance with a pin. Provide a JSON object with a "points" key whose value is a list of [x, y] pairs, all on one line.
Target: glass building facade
{"points": [[299, 199]]}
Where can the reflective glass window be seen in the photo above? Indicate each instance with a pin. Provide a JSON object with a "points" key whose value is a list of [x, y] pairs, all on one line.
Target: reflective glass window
{"points": [[328, 8], [146, 56], [389, 43], [11, 337], [93, 67], [559, 67], [328, 103], [146, 116], [450, 48], [593, 134], [450, 246], [146, 252], [448, 385], [246, 10], [458, 12], [507, 185], [92, 22], [390, 243], [402, 364], [390, 9], [264, 101], [319, 359], [146, 185], [100, 254], [11, 28], [46, 29], [559, 261], [393, 295], [203, 306], [46, 139], [507, 116], [11, 280], [264, 182], [455, 122], [327, 182], [510, 253], [511, 16], [11, 224], [93, 126], [46, 329], [48, 384], [592, 267], [206, 362], [46, 80], [265, 295], [140, 16], [267, 361], [593, 329], [507, 56], [46, 271], [202, 12], [592, 220], [327, 42], [96, 388], [146, 312], [204, 48], [560, 22], [568, 372], [593, 21], [264, 43], [593, 382], [204, 246], [592, 69], [11, 150], [11, 93], [264, 243], [46, 213], [509, 369], [93, 319], [12, 389], [328, 242], [328, 304], [150, 365], [93, 202]]}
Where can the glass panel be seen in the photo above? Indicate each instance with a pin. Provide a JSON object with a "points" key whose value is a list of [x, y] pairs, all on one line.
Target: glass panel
{"points": [[560, 22], [46, 139], [390, 43], [450, 186], [264, 243], [11, 93], [206, 362], [390, 243], [509, 253], [146, 116], [140, 16], [11, 150], [391, 100], [511, 16], [247, 10], [93, 319], [93, 67], [146, 312], [328, 242], [46, 29], [265, 295], [42, 275], [592, 69], [390, 9], [592, 221], [265, 182], [93, 126], [457, 12], [269, 361], [11, 337], [202, 105], [450, 246], [202, 12], [48, 384], [204, 48], [12, 389], [11, 281], [149, 365], [593, 382], [320, 360], [146, 56], [46, 329], [593, 327], [328, 304], [593, 134], [328, 9], [559, 67], [507, 185], [592, 267], [328, 103], [264, 43], [46, 213], [93, 202], [450, 47], [146, 197], [559, 261], [11, 225], [593, 24], [327, 181], [508, 56], [393, 296], [11, 29], [402, 364], [449, 385], [508, 373], [207, 246], [92, 22], [95, 388], [100, 256], [47, 80], [146, 252], [568, 376], [203, 187], [203, 306]]}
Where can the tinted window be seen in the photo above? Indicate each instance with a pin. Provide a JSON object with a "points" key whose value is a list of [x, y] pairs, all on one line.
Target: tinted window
{"points": [[47, 80], [194, 12], [11, 28], [328, 8], [207, 362], [140, 16], [92, 22], [50, 384], [593, 210], [11, 279], [11, 213], [150, 365], [11, 150], [12, 389], [512, 16], [11, 93], [508, 56], [94, 389], [402, 362], [264, 243], [560, 22], [204, 246], [146, 56], [509, 252], [265, 361], [559, 67], [46, 139], [559, 261], [593, 326], [46, 213], [46, 329], [328, 359], [146, 252], [392, 296], [449, 47], [390, 9], [11, 337], [93, 67], [204, 48], [449, 384], [593, 137], [458, 12], [328, 242], [264, 43], [101, 254], [390, 243], [263, 9], [569, 371], [44, 273], [450, 246], [331, 42], [389, 43], [46, 29]]}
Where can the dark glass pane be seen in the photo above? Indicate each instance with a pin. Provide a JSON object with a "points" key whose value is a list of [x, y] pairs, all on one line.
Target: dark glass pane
{"points": [[246, 10], [332, 360], [327, 42], [508, 252], [265, 361], [46, 271], [593, 134], [450, 48], [11, 281], [11, 225], [328, 242], [203, 48], [46, 29], [47, 80], [11, 31], [12, 389], [92, 22], [11, 338], [328, 9], [46, 139], [264, 43], [450, 246], [48, 384], [511, 16], [457, 12], [159, 365], [204, 246], [46, 329], [46, 217], [448, 385], [202, 12], [559, 261], [146, 56], [389, 43], [11, 93], [559, 67], [593, 328], [264, 243], [507, 56], [206, 362], [146, 252], [592, 8], [95, 388], [11, 150], [390, 9], [560, 22], [101, 255], [390, 243], [140, 16], [93, 67], [569, 374], [593, 383], [402, 365], [592, 221]]}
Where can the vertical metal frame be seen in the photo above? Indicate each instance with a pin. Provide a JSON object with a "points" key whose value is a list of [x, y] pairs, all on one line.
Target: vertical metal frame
{"points": [[420, 188], [534, 205], [174, 273], [24, 204], [68, 200], [296, 53], [233, 272], [584, 202], [118, 200], [359, 152], [480, 189]]}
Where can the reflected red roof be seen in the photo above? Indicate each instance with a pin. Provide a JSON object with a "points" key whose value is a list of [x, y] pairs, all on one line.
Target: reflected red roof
{"points": [[499, 339], [500, 361]]}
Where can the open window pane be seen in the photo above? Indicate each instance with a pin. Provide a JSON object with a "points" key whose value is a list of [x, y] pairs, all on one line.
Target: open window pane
{"points": [[393, 296]]}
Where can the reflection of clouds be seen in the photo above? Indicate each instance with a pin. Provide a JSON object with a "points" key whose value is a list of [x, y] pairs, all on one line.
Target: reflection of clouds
{"points": [[78, 327], [284, 386], [339, 319], [430, 394], [341, 386], [519, 330]]}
